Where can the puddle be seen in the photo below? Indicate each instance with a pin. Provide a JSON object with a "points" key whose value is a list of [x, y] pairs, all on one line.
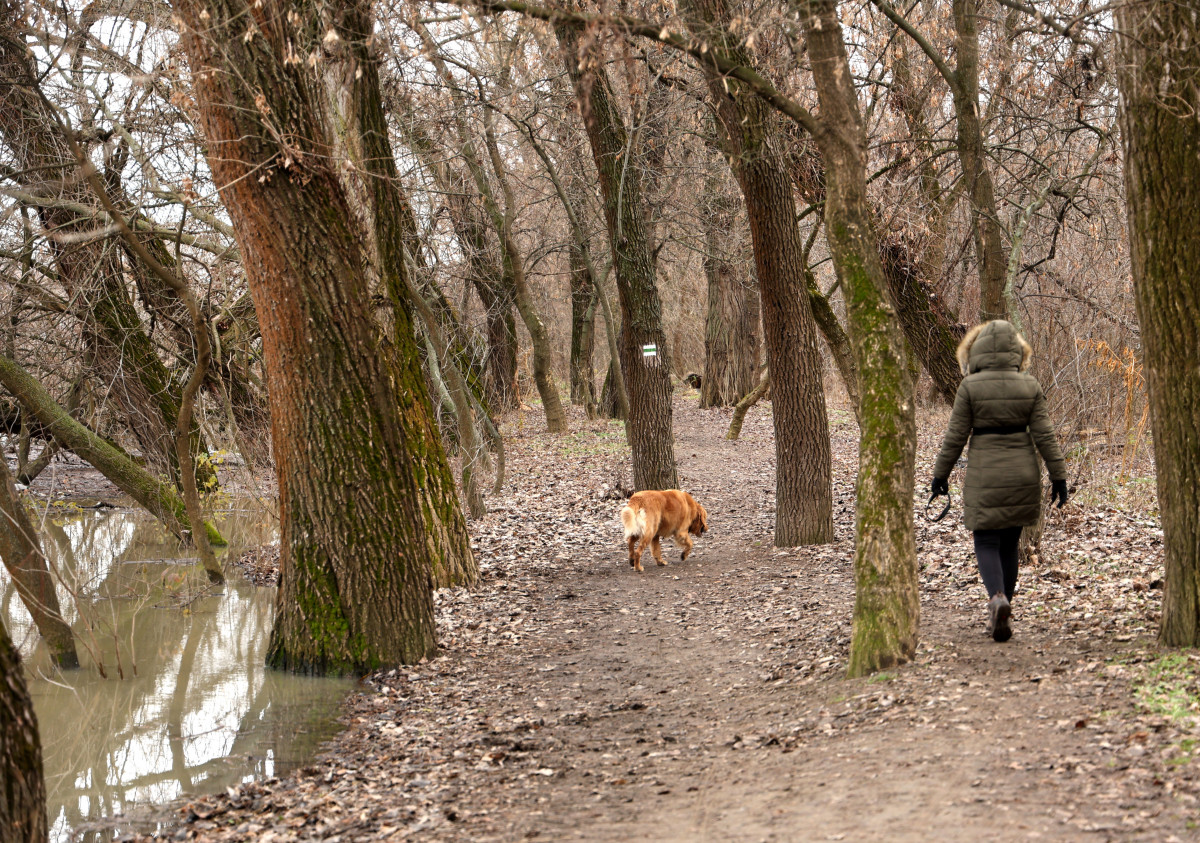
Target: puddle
{"points": [[187, 706]]}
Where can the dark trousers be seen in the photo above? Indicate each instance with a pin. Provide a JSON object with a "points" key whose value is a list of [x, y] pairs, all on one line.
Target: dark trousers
{"points": [[996, 552]]}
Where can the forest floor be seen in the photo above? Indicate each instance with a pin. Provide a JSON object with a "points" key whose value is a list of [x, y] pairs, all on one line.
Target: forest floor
{"points": [[707, 700]]}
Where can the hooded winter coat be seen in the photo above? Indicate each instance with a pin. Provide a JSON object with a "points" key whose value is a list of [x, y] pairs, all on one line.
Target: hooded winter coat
{"points": [[1004, 479]]}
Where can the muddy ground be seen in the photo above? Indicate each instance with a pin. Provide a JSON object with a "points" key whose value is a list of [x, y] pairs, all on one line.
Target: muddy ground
{"points": [[707, 700]]}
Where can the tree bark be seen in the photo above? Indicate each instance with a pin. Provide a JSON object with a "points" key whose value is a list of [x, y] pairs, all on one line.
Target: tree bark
{"points": [[749, 400], [22, 788], [1158, 79], [647, 377], [352, 432], [30, 572], [989, 247], [159, 498], [584, 299], [753, 141], [930, 330], [731, 323], [388, 228], [886, 600], [836, 338]]}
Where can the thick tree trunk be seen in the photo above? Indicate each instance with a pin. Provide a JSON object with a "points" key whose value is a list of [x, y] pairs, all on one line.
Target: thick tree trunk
{"points": [[755, 144], [388, 228], [644, 362], [731, 323], [584, 300], [22, 788], [30, 572], [353, 434], [1159, 82], [159, 498], [886, 600]]}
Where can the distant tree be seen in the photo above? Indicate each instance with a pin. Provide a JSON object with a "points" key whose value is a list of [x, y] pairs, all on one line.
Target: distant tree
{"points": [[731, 322], [647, 375], [1159, 77], [751, 134]]}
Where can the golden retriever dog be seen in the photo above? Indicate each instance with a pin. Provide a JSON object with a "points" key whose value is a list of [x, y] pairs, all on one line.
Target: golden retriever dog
{"points": [[651, 516]]}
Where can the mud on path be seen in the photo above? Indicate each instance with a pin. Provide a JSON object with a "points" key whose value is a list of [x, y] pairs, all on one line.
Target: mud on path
{"points": [[706, 700]]}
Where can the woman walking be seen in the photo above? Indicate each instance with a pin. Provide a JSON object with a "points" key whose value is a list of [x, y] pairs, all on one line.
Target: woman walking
{"points": [[1002, 411]]}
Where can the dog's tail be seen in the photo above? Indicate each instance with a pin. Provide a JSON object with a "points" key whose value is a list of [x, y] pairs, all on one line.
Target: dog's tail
{"points": [[634, 522]]}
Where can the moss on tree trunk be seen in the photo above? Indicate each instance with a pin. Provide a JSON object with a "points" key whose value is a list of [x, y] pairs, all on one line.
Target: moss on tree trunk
{"points": [[354, 435], [22, 556], [886, 601], [160, 499]]}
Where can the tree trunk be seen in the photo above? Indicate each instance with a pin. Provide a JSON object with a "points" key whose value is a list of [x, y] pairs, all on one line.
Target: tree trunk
{"points": [[751, 398], [513, 262], [1158, 78], [353, 433], [644, 361], [931, 331], [30, 572], [584, 299], [754, 142], [731, 322], [836, 338], [159, 498], [22, 788], [989, 247], [886, 600], [501, 327], [388, 228]]}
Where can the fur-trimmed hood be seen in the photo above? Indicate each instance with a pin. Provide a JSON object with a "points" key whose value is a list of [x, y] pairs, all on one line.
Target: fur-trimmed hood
{"points": [[993, 345]]}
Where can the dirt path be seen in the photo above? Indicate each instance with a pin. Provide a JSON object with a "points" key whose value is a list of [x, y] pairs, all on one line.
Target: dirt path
{"points": [[706, 700]]}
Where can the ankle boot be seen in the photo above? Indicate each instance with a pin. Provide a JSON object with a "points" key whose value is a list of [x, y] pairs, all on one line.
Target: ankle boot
{"points": [[999, 612]]}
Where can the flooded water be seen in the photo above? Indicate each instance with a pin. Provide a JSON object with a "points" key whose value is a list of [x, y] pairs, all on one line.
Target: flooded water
{"points": [[173, 699]]}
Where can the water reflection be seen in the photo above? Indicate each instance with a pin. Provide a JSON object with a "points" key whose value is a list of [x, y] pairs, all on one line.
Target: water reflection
{"points": [[187, 706]]}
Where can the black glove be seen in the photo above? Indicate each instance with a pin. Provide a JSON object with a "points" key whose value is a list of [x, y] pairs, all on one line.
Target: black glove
{"points": [[939, 486], [1058, 492]]}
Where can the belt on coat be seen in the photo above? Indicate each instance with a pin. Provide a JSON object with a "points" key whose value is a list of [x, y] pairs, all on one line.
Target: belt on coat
{"points": [[1012, 428]]}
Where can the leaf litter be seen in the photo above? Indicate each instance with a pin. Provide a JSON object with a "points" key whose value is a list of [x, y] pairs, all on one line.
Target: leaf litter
{"points": [[708, 699]]}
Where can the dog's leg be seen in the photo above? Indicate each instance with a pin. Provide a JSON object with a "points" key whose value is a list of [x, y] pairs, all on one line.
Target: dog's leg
{"points": [[637, 554], [656, 549], [684, 541], [633, 540]]}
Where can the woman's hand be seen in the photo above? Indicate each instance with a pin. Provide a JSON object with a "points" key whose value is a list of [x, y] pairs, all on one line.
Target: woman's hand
{"points": [[939, 486], [1058, 492]]}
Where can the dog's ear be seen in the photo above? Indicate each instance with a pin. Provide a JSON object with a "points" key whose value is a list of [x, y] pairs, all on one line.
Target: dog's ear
{"points": [[699, 523]]}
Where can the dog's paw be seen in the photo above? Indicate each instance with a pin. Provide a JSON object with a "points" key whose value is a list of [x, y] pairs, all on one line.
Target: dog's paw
{"points": [[683, 556], [663, 562]]}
